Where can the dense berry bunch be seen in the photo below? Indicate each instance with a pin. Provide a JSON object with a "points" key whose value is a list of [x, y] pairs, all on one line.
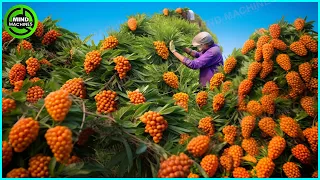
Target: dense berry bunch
{"points": [[210, 164], [136, 97], [155, 125], [216, 80], [39, 166], [198, 145], [92, 61], [105, 101], [17, 73], [161, 49], [59, 139], [109, 43], [171, 79], [206, 125], [176, 166], [50, 37], [122, 66], [8, 105], [34, 94], [58, 104], [202, 98], [75, 86], [181, 100]]}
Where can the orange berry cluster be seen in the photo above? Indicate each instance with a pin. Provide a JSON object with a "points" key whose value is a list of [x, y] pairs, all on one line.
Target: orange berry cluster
{"points": [[248, 46], [202, 98], [236, 153], [59, 139], [18, 173], [295, 82], [18, 86], [267, 102], [218, 102], [253, 70], [58, 104], [84, 136], [210, 164], [6, 37], [181, 100], [298, 48], [192, 175], [275, 31], [309, 43], [230, 133], [183, 138], [244, 87], [132, 24], [122, 66], [226, 86], [35, 79], [312, 136], [50, 37], [226, 162], [284, 61], [17, 73], [176, 166], [39, 166], [278, 44], [216, 80], [33, 66], [25, 44], [6, 153], [161, 49], [109, 43], [258, 54], [171, 79], [250, 145], [290, 126], [92, 61], [206, 125], [8, 105], [247, 125], [240, 172], [314, 63], [198, 145], [313, 85], [267, 51], [291, 170], [39, 30], [254, 108], [23, 133], [76, 87], [34, 94], [155, 125], [105, 101], [276, 146], [136, 97], [270, 88], [266, 68], [305, 70], [308, 104], [6, 91], [267, 125], [45, 62], [74, 159], [165, 11], [299, 24], [262, 41], [229, 64], [302, 153], [264, 168]]}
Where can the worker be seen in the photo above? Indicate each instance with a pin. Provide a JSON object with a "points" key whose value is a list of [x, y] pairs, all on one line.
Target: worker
{"points": [[207, 60], [190, 15]]}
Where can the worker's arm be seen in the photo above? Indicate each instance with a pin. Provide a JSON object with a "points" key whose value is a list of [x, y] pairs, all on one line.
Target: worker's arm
{"points": [[207, 59], [192, 52]]}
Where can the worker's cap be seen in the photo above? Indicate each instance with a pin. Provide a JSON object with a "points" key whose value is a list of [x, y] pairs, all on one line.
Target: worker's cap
{"points": [[201, 39]]}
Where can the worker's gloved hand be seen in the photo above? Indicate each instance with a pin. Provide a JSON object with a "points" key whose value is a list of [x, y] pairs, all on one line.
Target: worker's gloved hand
{"points": [[172, 47]]}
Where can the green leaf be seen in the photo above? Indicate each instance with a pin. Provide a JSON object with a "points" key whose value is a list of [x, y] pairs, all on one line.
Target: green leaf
{"points": [[19, 96], [141, 149], [169, 110], [141, 110], [128, 150], [52, 166]]}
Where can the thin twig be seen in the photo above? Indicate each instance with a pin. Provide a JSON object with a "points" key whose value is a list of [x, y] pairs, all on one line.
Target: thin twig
{"points": [[84, 116], [5, 47], [111, 79], [39, 112]]}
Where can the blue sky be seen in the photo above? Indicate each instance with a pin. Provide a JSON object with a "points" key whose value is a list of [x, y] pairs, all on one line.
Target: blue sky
{"points": [[231, 22]]}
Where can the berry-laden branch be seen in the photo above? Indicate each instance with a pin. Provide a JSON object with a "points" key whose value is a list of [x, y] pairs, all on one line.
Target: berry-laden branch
{"points": [[39, 112]]}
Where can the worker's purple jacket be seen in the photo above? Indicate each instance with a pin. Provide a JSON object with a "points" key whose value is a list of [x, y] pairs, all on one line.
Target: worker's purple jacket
{"points": [[207, 61]]}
